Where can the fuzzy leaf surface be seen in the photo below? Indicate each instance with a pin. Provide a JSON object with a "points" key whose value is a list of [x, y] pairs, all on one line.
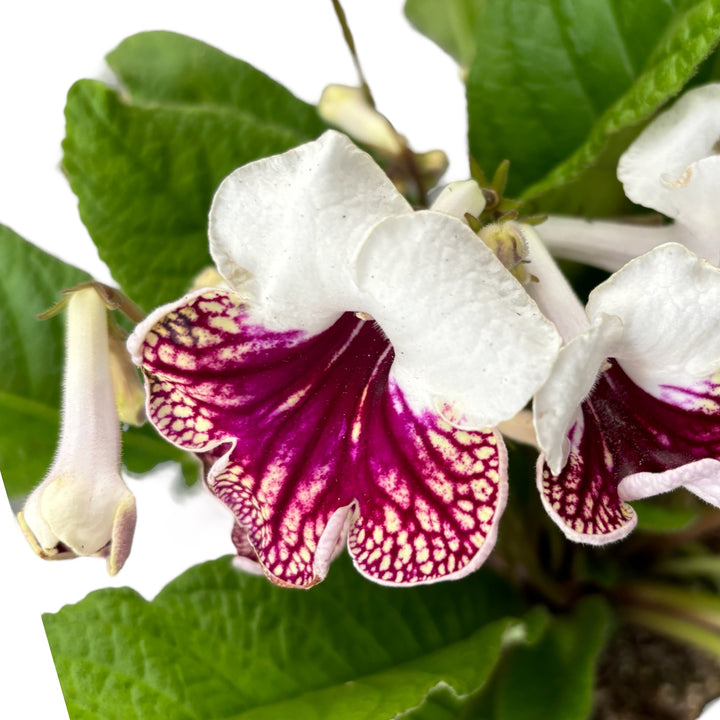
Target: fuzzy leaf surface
{"points": [[554, 678], [558, 80], [219, 644], [145, 163]]}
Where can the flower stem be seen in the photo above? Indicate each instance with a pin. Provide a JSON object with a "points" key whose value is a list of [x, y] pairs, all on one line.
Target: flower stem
{"points": [[407, 157], [688, 615], [350, 42], [675, 627]]}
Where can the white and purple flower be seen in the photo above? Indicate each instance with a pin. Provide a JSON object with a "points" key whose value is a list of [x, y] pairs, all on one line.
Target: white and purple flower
{"points": [[632, 406], [346, 388]]}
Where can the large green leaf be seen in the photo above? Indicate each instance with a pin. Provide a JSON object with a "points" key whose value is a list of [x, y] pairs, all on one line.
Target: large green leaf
{"points": [[554, 678], [558, 79], [449, 23], [219, 644], [164, 67], [33, 357], [146, 163]]}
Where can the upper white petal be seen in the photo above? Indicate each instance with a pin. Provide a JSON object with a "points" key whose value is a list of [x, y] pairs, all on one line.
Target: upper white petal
{"points": [[673, 166], [669, 303], [294, 221], [465, 332], [557, 405]]}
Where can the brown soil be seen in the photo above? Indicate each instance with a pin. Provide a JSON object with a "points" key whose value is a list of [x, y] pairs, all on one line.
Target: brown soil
{"points": [[645, 676]]}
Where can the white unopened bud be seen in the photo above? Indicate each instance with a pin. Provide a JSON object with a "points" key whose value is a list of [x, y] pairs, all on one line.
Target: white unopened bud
{"points": [[83, 507]]}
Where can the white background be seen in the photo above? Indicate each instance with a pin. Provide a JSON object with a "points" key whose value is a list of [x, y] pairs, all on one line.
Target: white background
{"points": [[44, 48]]}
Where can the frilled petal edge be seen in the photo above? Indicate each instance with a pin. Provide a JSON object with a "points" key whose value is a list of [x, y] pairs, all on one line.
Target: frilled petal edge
{"points": [[668, 302], [321, 444], [671, 167]]}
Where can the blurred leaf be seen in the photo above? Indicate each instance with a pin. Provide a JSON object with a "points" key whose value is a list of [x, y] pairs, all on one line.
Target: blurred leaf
{"points": [[448, 23], [558, 79], [164, 67], [146, 163], [143, 449], [662, 518], [554, 678], [216, 643]]}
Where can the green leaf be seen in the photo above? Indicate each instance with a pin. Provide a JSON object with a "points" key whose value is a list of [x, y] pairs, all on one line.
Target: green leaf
{"points": [[32, 353], [216, 643], [145, 164], [144, 448], [558, 80], [660, 517], [448, 23], [554, 678]]}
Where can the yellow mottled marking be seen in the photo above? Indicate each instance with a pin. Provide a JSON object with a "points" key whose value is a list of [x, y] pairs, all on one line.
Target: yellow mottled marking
{"points": [[210, 306], [392, 520], [485, 452], [189, 312], [480, 488], [484, 514], [404, 554], [224, 323], [202, 424]]}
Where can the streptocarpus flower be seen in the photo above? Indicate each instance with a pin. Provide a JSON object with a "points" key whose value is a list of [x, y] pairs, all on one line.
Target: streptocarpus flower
{"points": [[83, 507], [673, 167], [632, 406], [347, 386]]}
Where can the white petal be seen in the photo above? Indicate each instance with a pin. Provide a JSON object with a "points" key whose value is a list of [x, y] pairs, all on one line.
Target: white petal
{"points": [[669, 303], [673, 166], [557, 405], [701, 477], [466, 335], [293, 221]]}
